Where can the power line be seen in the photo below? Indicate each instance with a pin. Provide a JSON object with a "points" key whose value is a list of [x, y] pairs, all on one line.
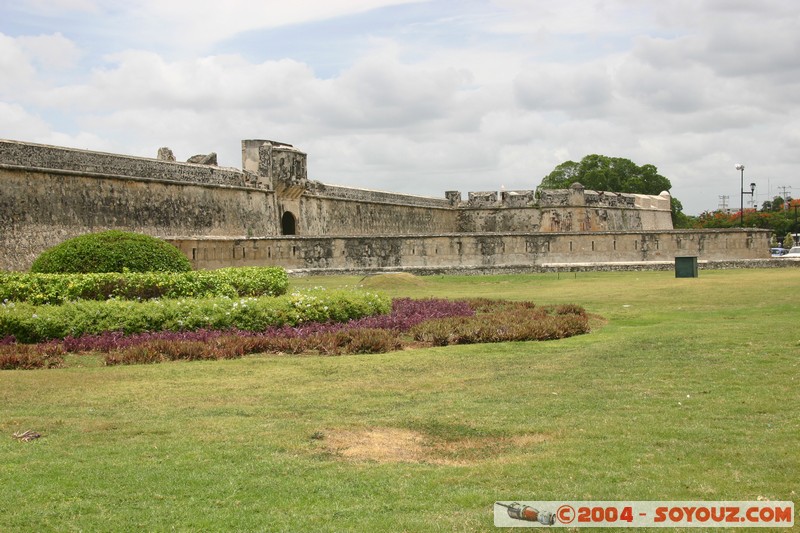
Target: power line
{"points": [[785, 197]]}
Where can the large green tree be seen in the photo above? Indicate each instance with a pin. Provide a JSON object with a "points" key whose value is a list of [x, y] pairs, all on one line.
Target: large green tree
{"points": [[603, 173], [614, 174]]}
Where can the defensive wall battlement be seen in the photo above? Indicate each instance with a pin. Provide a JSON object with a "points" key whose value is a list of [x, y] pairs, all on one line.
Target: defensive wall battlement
{"points": [[49, 194]]}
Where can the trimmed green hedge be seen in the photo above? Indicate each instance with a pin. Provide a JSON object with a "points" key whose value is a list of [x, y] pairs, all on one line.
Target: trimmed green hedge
{"points": [[111, 251], [30, 323], [41, 289]]}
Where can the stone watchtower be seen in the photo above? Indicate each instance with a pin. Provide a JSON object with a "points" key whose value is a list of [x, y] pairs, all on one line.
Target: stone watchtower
{"points": [[282, 168], [276, 166]]}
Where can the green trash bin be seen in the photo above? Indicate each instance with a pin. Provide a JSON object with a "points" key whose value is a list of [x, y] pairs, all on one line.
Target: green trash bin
{"points": [[686, 267]]}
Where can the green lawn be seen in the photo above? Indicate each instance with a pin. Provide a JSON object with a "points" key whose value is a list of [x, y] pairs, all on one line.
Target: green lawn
{"points": [[687, 389]]}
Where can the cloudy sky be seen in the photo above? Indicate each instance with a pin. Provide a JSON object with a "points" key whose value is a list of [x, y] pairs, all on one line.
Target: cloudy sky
{"points": [[420, 96]]}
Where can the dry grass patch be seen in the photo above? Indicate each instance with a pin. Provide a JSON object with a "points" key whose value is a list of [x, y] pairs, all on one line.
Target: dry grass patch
{"points": [[396, 445], [382, 445]]}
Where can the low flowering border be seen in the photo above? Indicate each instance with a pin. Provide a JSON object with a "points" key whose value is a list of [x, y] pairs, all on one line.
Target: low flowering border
{"points": [[55, 289], [31, 324], [429, 322]]}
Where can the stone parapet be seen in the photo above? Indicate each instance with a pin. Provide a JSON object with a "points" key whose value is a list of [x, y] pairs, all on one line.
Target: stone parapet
{"points": [[609, 199], [482, 199], [578, 196], [29, 156], [518, 198], [338, 192]]}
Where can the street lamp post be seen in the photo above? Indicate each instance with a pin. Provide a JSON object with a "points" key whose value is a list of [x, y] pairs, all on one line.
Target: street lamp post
{"points": [[740, 168]]}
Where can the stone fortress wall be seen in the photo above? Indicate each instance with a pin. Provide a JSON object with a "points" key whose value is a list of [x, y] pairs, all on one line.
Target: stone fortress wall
{"points": [[270, 213], [49, 194], [465, 252]]}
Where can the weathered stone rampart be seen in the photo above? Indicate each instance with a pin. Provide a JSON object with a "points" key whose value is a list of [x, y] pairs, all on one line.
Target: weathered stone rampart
{"points": [[16, 155], [270, 213], [332, 216], [475, 251], [333, 210], [566, 210], [561, 219], [40, 209]]}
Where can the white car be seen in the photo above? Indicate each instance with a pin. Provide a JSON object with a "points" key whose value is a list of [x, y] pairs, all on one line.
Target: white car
{"points": [[794, 251]]}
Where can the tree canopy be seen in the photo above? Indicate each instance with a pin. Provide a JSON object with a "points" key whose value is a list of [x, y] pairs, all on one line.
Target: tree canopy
{"points": [[603, 173], [779, 215]]}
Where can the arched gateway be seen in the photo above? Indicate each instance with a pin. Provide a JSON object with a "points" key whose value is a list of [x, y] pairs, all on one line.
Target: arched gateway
{"points": [[288, 224]]}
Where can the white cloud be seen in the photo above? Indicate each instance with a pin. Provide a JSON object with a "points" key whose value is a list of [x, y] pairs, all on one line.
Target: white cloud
{"points": [[381, 92], [50, 6], [223, 19], [196, 25], [20, 123], [18, 72], [585, 91], [145, 80], [571, 17], [51, 51]]}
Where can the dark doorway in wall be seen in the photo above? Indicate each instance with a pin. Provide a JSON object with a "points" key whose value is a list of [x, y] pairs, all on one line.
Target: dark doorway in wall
{"points": [[288, 224]]}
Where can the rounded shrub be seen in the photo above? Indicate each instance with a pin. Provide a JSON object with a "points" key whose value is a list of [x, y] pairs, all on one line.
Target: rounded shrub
{"points": [[111, 251]]}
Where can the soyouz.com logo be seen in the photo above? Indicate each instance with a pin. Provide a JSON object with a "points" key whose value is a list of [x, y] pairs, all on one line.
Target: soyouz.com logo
{"points": [[643, 514]]}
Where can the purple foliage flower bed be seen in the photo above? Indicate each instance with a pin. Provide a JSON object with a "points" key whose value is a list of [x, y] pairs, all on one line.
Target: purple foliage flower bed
{"points": [[428, 321], [406, 313]]}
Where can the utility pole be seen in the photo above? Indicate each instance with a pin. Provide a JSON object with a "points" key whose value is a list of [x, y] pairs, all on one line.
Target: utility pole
{"points": [[723, 203], [785, 197], [740, 168]]}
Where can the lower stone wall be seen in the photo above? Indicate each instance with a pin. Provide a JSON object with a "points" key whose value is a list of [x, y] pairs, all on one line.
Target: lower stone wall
{"points": [[554, 268], [475, 251]]}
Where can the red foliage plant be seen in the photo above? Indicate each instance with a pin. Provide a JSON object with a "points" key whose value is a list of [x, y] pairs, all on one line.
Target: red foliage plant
{"points": [[436, 322]]}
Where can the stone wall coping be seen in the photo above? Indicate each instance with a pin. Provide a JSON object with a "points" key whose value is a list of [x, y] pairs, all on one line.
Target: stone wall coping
{"points": [[114, 155], [411, 203], [617, 263], [542, 268], [82, 173], [687, 232], [24, 154], [341, 192], [550, 207], [364, 189]]}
